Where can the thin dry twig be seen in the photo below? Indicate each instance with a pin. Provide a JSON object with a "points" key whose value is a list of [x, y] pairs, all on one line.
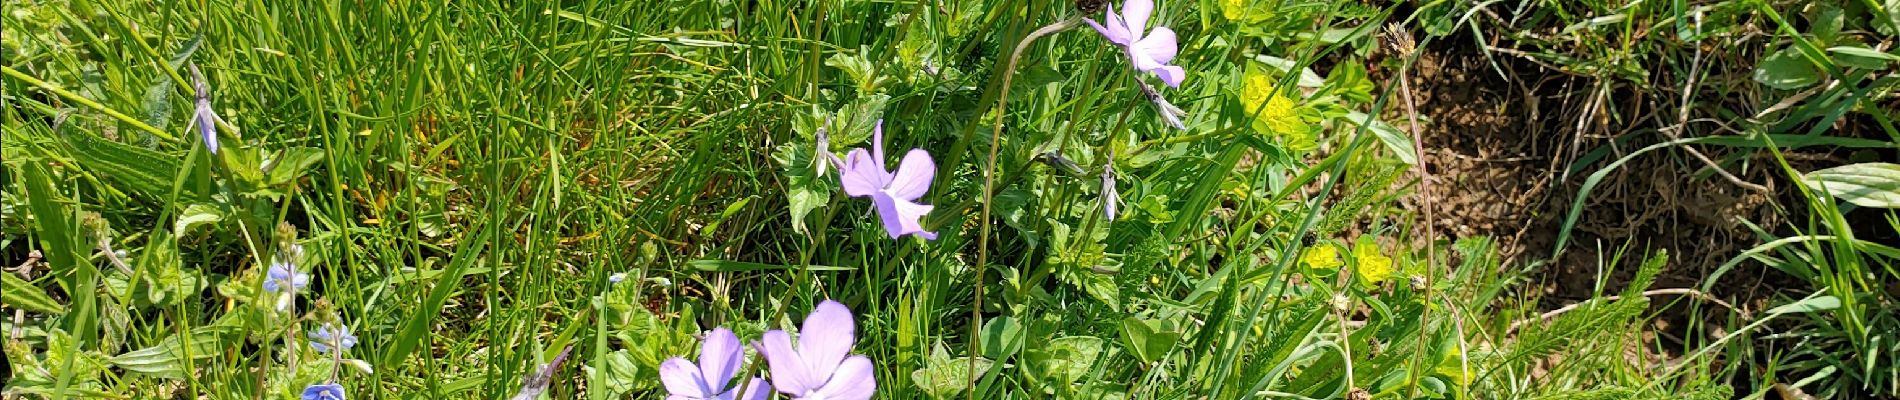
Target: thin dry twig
{"points": [[1682, 119]]}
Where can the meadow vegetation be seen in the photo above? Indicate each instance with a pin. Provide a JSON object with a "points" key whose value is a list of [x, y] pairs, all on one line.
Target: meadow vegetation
{"points": [[848, 199]]}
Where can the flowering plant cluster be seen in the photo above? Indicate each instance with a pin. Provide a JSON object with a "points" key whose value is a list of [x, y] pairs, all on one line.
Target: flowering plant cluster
{"points": [[819, 366]]}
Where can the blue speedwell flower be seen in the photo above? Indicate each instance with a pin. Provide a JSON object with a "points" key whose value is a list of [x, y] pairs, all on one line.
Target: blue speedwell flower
{"points": [[323, 391], [332, 337], [284, 275]]}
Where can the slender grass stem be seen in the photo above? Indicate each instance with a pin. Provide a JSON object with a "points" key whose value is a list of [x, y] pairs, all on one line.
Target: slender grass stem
{"points": [[989, 173]]}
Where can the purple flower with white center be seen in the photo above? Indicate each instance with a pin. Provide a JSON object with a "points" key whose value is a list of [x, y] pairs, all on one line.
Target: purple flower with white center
{"points": [[323, 391], [1148, 51], [820, 368], [332, 337], [863, 174], [283, 275], [202, 115], [720, 357]]}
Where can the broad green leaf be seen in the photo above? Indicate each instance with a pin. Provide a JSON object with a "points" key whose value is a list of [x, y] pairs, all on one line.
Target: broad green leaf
{"points": [[1787, 70], [943, 376], [1395, 140], [1809, 305], [195, 215], [1149, 340], [145, 171], [1002, 337], [164, 359], [1067, 359], [1866, 184], [19, 294], [290, 164]]}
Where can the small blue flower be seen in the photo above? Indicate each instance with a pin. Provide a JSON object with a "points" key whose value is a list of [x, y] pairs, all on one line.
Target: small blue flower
{"points": [[323, 391], [617, 277], [282, 274], [329, 336]]}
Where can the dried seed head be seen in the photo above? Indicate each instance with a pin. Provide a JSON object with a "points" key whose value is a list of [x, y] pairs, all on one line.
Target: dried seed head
{"points": [[1400, 40], [1341, 303]]}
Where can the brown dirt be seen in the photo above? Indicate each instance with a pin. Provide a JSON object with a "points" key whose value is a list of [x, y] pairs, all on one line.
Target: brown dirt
{"points": [[1500, 151]]}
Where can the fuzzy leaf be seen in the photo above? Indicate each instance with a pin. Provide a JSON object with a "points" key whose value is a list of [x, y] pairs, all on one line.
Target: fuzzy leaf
{"points": [[17, 293], [1874, 185]]}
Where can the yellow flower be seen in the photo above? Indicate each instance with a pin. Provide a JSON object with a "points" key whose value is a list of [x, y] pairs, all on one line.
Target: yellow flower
{"points": [[1280, 115], [1321, 256], [1372, 267], [1234, 10]]}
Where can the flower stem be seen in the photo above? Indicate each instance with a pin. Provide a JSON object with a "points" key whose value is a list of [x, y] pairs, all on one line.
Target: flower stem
{"points": [[989, 181]]}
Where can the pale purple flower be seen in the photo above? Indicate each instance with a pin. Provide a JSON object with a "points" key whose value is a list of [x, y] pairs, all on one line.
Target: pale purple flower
{"points": [[823, 156], [537, 380], [1149, 51], [284, 275], [1110, 198], [863, 174], [202, 115], [720, 357], [821, 367], [323, 391], [330, 337]]}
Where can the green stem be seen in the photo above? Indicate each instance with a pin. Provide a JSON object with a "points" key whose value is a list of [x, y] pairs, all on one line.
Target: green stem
{"points": [[989, 185]]}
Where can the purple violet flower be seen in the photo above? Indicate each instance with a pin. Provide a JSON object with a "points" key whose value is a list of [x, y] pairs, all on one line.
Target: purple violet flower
{"points": [[821, 366], [323, 391], [1149, 51], [202, 115], [332, 337], [719, 358], [863, 174]]}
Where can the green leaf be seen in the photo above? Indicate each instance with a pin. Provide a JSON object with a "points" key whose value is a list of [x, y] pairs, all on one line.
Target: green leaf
{"points": [[195, 215], [1395, 140], [1787, 70], [1308, 78], [290, 164], [1066, 359], [184, 53], [1148, 339], [943, 376], [1874, 185], [1862, 57], [145, 171], [19, 294], [1002, 337], [158, 103], [1808, 305], [166, 358]]}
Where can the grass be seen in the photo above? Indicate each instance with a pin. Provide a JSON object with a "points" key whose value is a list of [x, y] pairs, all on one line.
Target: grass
{"points": [[477, 189]]}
